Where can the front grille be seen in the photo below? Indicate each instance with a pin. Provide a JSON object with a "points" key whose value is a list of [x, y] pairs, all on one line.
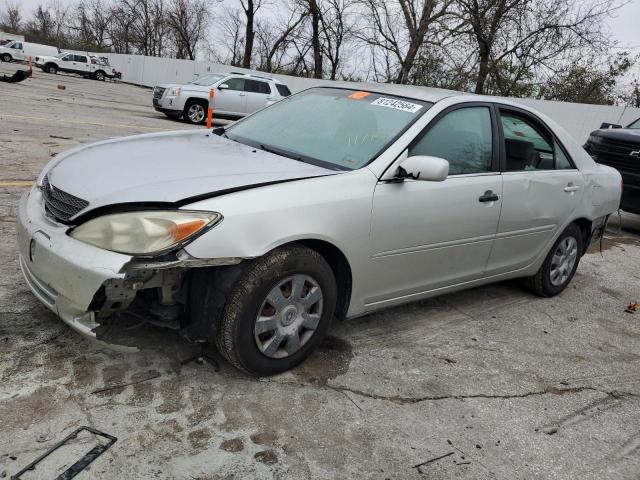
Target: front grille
{"points": [[616, 154], [158, 92], [60, 204]]}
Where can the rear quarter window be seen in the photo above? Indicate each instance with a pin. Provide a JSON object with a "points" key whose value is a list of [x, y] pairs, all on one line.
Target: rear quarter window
{"points": [[283, 90]]}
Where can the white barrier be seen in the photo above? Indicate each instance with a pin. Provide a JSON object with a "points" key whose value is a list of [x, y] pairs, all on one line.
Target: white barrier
{"points": [[579, 119]]}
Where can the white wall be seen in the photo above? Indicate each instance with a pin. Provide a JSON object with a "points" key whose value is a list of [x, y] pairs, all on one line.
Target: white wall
{"points": [[579, 119]]}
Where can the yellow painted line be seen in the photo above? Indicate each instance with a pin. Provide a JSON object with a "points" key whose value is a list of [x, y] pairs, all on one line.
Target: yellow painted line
{"points": [[50, 121], [17, 183]]}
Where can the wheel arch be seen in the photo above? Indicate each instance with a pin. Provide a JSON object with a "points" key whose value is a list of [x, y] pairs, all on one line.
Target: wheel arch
{"points": [[584, 224], [338, 262]]}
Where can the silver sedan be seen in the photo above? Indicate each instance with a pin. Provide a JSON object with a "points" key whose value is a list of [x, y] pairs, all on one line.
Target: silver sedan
{"points": [[332, 203]]}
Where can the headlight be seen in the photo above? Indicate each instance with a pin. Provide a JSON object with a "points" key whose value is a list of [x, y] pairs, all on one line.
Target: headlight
{"points": [[144, 233], [173, 92]]}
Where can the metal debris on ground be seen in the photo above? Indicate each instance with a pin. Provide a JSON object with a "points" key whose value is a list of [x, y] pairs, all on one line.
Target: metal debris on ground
{"points": [[632, 307], [81, 464]]}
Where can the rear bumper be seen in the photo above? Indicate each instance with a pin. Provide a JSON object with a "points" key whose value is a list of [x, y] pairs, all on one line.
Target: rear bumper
{"points": [[63, 273]]}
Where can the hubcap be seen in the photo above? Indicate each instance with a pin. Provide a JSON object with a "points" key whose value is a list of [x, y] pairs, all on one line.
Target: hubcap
{"points": [[196, 113], [563, 261], [289, 316]]}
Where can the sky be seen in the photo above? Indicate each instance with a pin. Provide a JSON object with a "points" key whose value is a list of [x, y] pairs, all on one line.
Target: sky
{"points": [[624, 24]]}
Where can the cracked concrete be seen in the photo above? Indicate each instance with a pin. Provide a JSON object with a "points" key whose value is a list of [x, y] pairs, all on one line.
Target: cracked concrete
{"points": [[491, 383]]}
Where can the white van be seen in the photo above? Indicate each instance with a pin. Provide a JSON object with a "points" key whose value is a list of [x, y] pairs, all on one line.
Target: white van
{"points": [[21, 51]]}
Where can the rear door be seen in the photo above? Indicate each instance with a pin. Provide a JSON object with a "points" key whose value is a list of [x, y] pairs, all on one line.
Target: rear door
{"points": [[541, 189], [258, 94], [231, 100], [80, 64], [428, 235]]}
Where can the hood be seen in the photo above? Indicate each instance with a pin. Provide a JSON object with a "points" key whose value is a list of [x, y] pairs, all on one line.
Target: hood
{"points": [[624, 134], [168, 167]]}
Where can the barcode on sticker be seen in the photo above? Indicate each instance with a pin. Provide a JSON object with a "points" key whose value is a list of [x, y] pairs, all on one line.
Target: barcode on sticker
{"points": [[397, 104]]}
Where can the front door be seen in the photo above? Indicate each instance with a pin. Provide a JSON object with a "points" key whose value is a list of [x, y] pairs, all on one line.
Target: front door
{"points": [[541, 189], [429, 235], [231, 100], [17, 51]]}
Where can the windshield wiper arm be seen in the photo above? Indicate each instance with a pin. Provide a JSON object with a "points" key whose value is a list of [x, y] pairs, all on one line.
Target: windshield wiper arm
{"points": [[281, 153]]}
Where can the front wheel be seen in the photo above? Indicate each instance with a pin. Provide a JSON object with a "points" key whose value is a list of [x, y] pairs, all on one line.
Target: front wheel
{"points": [[560, 265], [195, 112], [278, 311], [51, 69], [6, 57]]}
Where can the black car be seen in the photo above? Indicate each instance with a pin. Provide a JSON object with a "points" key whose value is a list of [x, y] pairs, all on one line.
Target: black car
{"points": [[619, 148]]}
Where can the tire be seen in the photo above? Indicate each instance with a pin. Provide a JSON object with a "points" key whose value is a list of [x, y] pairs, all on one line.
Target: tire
{"points": [[6, 57], [267, 346], [51, 68], [560, 265], [195, 112], [100, 76]]}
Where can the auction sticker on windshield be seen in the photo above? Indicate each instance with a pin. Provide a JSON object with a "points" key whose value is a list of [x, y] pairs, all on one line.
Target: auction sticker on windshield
{"points": [[397, 104]]}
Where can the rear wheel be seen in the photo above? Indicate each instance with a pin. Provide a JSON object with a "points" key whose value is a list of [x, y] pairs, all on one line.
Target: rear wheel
{"points": [[51, 68], [6, 57], [100, 76], [278, 311], [195, 111], [560, 265]]}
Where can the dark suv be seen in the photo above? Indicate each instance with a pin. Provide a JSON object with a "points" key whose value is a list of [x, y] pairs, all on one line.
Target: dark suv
{"points": [[619, 148]]}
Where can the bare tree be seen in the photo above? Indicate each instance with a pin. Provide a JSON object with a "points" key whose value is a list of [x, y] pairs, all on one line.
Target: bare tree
{"points": [[250, 8], [276, 36], [401, 40], [11, 18], [336, 30], [523, 35], [187, 20]]}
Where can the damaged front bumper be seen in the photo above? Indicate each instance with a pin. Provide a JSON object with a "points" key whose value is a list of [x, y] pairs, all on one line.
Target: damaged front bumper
{"points": [[87, 286], [63, 273]]}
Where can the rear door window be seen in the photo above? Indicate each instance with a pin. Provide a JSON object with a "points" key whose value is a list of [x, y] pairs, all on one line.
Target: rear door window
{"points": [[256, 86], [530, 146], [80, 58]]}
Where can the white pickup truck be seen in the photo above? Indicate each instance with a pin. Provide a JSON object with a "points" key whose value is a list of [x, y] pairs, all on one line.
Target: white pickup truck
{"points": [[86, 65]]}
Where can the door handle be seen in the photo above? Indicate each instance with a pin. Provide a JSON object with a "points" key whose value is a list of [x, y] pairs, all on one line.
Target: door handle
{"points": [[489, 196], [571, 188]]}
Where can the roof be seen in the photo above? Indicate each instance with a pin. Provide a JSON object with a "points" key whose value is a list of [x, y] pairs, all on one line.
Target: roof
{"points": [[428, 94]]}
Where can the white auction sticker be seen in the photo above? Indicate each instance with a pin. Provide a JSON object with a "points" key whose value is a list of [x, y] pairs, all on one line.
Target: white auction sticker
{"points": [[397, 104]]}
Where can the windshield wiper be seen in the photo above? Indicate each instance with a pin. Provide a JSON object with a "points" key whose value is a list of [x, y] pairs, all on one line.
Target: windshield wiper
{"points": [[281, 153]]}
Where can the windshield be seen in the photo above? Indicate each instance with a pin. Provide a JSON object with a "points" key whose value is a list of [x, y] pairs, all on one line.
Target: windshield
{"points": [[334, 128], [635, 124], [207, 79]]}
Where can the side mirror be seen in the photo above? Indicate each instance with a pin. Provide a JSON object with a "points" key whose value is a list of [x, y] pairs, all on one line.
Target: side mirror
{"points": [[423, 167], [224, 86], [606, 125]]}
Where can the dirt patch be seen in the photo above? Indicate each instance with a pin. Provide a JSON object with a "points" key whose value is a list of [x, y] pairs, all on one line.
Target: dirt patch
{"points": [[330, 360], [233, 445], [264, 438], [268, 457], [199, 438]]}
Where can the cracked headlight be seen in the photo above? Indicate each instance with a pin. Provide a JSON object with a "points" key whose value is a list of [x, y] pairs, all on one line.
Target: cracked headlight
{"points": [[144, 233]]}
